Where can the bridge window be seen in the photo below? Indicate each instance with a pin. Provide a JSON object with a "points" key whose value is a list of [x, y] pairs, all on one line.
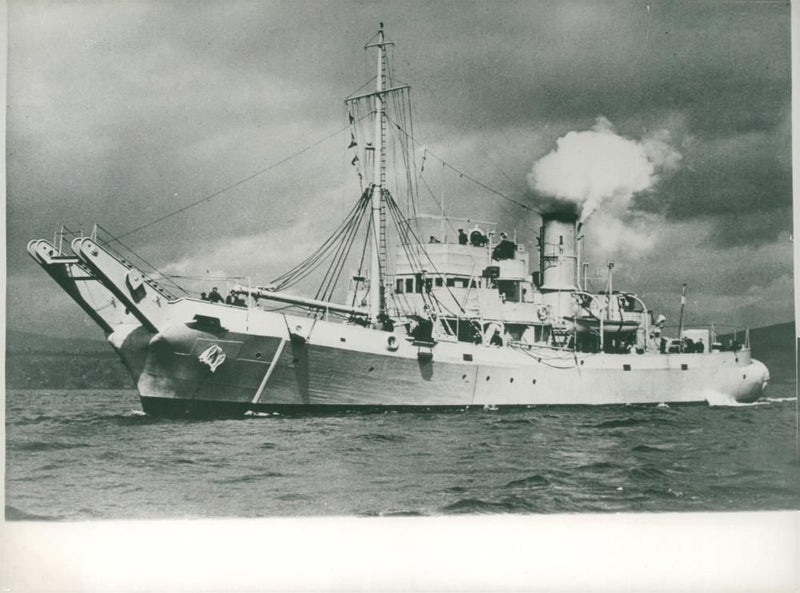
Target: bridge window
{"points": [[409, 285], [509, 289], [399, 288]]}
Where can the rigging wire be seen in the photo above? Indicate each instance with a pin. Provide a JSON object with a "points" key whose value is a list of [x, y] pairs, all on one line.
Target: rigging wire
{"points": [[332, 275], [404, 227], [461, 173], [113, 239], [232, 186], [168, 278], [312, 262], [410, 68], [361, 261]]}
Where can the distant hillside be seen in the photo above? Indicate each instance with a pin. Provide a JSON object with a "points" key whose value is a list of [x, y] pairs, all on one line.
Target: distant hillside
{"points": [[773, 345], [19, 342], [35, 361]]}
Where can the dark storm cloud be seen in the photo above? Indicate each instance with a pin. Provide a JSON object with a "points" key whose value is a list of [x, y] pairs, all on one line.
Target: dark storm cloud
{"points": [[739, 184], [141, 108], [573, 61], [122, 113], [722, 69]]}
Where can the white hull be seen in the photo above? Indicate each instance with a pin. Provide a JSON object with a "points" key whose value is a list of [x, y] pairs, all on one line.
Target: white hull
{"points": [[276, 360], [344, 365]]}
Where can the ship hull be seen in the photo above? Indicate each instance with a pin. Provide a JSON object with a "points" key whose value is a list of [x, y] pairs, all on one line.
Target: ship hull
{"points": [[296, 364], [192, 356]]}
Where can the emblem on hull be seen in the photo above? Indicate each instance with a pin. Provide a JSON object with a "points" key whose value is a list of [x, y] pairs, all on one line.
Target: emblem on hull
{"points": [[212, 357]]}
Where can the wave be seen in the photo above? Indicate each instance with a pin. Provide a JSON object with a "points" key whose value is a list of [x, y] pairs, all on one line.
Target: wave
{"points": [[516, 421], [535, 480], [478, 506], [15, 514], [652, 448], [620, 423], [656, 492], [399, 513], [36, 446], [734, 404], [294, 497], [723, 400], [250, 478], [598, 466], [381, 438], [254, 414], [646, 473], [28, 420]]}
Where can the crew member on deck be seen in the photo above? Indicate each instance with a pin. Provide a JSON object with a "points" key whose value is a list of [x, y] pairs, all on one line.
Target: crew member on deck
{"points": [[215, 297], [477, 238], [656, 331], [462, 237], [505, 249], [230, 299]]}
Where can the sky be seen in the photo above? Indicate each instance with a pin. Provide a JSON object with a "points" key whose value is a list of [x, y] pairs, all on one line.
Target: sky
{"points": [[674, 117]]}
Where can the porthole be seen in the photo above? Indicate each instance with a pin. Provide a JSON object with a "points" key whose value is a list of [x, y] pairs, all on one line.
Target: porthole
{"points": [[259, 356], [464, 377], [488, 377], [511, 380], [371, 369], [533, 382]]}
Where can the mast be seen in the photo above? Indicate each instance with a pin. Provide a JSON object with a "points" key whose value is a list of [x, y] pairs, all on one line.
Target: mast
{"points": [[376, 291]]}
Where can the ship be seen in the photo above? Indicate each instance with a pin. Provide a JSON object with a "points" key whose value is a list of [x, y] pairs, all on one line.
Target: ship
{"points": [[467, 319]]}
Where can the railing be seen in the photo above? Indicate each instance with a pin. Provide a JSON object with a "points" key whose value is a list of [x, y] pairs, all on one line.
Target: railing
{"points": [[730, 332], [127, 257]]}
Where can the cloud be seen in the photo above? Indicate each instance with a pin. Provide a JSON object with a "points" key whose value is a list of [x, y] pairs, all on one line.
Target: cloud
{"points": [[725, 177], [122, 114], [609, 237], [598, 166]]}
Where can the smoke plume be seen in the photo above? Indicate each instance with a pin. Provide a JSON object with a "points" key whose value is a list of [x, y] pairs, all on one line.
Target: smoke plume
{"points": [[598, 166]]}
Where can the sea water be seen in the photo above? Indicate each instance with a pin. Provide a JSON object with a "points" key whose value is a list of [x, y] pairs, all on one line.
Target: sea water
{"points": [[88, 454]]}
